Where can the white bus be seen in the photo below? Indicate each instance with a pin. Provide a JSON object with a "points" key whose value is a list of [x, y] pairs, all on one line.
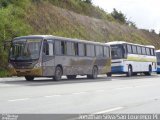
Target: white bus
{"points": [[130, 58], [158, 61], [52, 56]]}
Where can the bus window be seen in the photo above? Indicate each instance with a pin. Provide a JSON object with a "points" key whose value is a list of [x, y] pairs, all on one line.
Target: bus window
{"points": [[148, 51], [48, 48], [106, 52], [139, 50], [63, 48], [129, 48], [76, 50], [143, 51], [85, 50], [88, 51], [57, 48], [117, 51], [81, 49], [70, 48], [153, 52], [92, 50], [99, 51], [134, 48]]}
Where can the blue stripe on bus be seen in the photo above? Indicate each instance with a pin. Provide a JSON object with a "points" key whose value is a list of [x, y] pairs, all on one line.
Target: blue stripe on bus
{"points": [[117, 69], [158, 70]]}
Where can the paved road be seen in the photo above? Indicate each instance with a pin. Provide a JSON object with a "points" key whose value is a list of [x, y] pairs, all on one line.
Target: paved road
{"points": [[140, 94]]}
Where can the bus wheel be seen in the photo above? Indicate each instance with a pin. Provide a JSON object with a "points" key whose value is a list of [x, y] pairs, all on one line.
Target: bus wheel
{"points": [[134, 74], [94, 72], [71, 76], [58, 74], [29, 78], [109, 74], [149, 71], [129, 73]]}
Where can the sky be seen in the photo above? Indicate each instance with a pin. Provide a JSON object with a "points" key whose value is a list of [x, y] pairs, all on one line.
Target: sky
{"points": [[144, 13]]}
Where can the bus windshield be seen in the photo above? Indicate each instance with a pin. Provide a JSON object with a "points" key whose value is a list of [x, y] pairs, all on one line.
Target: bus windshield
{"points": [[117, 51], [25, 49], [158, 58]]}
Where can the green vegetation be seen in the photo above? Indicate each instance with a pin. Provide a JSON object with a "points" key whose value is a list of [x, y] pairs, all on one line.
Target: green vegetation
{"points": [[4, 73], [67, 18]]}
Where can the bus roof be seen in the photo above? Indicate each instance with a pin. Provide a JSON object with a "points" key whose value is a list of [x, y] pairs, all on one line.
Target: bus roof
{"points": [[123, 42], [57, 37], [157, 50]]}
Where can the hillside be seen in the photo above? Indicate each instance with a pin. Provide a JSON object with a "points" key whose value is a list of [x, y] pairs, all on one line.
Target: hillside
{"points": [[67, 18]]}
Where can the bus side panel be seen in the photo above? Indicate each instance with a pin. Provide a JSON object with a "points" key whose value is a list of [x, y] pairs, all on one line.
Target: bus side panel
{"points": [[103, 64], [73, 65], [48, 66], [140, 63]]}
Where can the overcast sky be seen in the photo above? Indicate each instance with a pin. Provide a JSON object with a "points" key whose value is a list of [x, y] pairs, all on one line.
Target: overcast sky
{"points": [[145, 13]]}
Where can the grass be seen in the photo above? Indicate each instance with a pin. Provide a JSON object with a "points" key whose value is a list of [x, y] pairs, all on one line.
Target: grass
{"points": [[4, 73]]}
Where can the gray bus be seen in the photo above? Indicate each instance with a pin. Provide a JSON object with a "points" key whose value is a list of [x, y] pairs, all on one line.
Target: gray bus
{"points": [[52, 56]]}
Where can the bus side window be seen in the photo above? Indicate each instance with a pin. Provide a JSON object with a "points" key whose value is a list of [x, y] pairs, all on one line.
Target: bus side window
{"points": [[92, 50], [57, 47], [129, 49], [143, 51], [153, 52], [148, 51], [97, 51], [106, 52], [85, 50], [88, 50], [134, 49], [63, 48], [81, 49], [139, 49], [45, 47], [48, 47], [76, 49]]}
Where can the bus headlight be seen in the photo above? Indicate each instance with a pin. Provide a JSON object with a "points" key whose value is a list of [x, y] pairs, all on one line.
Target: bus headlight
{"points": [[10, 66], [38, 65]]}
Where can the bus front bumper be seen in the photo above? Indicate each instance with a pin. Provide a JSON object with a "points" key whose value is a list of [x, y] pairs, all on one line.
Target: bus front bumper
{"points": [[26, 72], [117, 69]]}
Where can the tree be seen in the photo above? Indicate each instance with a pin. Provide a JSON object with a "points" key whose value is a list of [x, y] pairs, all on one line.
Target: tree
{"points": [[119, 16], [132, 24], [153, 31], [87, 1]]}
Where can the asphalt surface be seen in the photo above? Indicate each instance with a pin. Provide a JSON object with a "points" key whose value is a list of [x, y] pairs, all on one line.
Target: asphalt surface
{"points": [[119, 94]]}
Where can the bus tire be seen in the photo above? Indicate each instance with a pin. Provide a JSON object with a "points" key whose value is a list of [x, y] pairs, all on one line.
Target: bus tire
{"points": [[129, 73], [109, 74], [58, 73], [94, 73], [149, 71], [134, 74], [71, 76], [29, 78]]}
